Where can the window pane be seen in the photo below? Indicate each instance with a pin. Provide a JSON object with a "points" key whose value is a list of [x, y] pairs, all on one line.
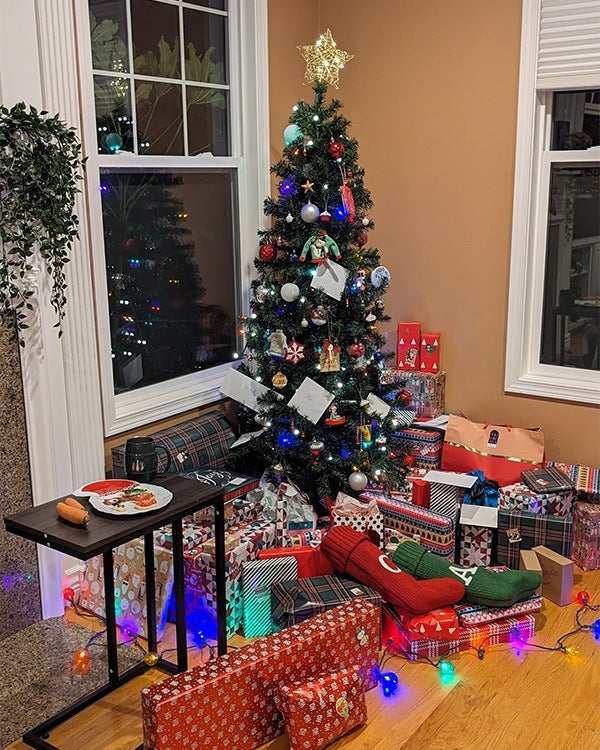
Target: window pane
{"points": [[169, 259], [159, 115], [156, 49], [108, 32], [205, 37], [113, 114], [217, 4], [207, 118], [576, 120], [571, 313]]}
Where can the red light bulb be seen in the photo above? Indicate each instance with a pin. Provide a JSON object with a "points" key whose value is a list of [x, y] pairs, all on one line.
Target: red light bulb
{"points": [[582, 598], [68, 594]]}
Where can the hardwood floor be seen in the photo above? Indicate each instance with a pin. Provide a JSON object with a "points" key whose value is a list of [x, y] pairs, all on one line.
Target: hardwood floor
{"points": [[540, 701]]}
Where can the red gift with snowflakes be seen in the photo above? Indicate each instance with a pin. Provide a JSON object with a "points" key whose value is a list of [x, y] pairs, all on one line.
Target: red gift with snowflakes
{"points": [[230, 702], [319, 711]]}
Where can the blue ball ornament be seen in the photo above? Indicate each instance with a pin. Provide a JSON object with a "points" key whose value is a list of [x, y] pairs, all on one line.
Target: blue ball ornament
{"points": [[291, 134], [113, 141]]}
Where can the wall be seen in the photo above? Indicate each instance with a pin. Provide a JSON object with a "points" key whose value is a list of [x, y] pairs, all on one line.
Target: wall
{"points": [[432, 95]]}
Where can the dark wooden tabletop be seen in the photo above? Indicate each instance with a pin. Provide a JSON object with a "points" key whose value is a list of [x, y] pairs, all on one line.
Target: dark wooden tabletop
{"points": [[41, 523]]}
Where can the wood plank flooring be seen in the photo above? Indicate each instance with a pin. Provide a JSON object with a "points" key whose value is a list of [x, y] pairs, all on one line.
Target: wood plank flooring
{"points": [[540, 701]]}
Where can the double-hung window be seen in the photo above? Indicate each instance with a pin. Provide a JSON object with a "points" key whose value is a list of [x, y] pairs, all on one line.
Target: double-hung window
{"points": [[172, 92], [553, 340]]}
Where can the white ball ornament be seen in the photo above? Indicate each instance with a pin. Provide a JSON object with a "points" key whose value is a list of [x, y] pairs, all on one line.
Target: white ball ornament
{"points": [[309, 213], [365, 221], [380, 276], [357, 481], [304, 323], [289, 218], [290, 292]]}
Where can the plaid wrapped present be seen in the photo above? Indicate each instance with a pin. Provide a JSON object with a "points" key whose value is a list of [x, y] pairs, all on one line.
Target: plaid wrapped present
{"points": [[295, 601], [130, 586], [547, 479], [520, 497], [489, 634], [476, 543], [424, 444], [518, 530], [202, 441], [433, 530], [585, 478], [586, 536], [476, 614]]}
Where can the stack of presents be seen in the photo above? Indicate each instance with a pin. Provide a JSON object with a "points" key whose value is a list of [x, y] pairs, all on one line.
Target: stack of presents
{"points": [[486, 529]]}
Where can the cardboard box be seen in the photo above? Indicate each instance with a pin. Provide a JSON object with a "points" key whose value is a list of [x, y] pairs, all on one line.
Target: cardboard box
{"points": [[557, 572], [529, 561]]}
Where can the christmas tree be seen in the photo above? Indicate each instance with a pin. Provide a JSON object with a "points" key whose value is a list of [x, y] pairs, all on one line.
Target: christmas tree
{"points": [[316, 308]]}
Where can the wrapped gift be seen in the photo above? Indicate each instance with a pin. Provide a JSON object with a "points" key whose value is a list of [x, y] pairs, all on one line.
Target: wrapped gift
{"points": [[447, 489], [257, 578], [311, 562], [361, 514], [295, 601], [303, 538], [430, 352], [547, 479], [489, 634], [518, 530], [424, 444], [585, 478], [586, 536], [234, 485], [409, 345], [230, 701], [476, 543], [130, 587], [194, 534], [428, 391], [476, 614], [520, 497], [238, 510], [323, 709], [433, 530], [439, 623]]}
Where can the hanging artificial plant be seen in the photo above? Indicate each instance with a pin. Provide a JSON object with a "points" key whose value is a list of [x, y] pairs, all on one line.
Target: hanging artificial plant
{"points": [[40, 166]]}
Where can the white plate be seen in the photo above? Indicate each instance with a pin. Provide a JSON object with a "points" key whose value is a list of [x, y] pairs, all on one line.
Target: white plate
{"points": [[163, 497]]}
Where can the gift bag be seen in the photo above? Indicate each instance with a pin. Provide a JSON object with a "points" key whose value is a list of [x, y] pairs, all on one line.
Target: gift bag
{"points": [[501, 453], [362, 516]]}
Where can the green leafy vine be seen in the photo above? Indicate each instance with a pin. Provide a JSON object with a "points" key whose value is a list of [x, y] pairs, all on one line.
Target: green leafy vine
{"points": [[40, 166]]}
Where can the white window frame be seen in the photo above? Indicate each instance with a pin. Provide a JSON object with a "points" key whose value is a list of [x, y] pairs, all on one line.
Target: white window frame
{"points": [[249, 135], [524, 373]]}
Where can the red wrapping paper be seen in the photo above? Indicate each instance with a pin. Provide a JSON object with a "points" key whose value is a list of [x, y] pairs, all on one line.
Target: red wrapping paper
{"points": [[230, 702], [409, 344], [430, 352], [421, 493], [312, 563], [439, 623]]}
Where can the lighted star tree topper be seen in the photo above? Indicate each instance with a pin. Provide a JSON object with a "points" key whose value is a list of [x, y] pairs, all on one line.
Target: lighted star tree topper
{"points": [[324, 60]]}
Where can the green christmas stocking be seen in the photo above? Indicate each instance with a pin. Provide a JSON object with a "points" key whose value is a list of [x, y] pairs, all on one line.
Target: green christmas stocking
{"points": [[482, 586]]}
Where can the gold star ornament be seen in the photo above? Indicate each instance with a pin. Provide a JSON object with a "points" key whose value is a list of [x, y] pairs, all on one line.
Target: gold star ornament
{"points": [[308, 186], [324, 60]]}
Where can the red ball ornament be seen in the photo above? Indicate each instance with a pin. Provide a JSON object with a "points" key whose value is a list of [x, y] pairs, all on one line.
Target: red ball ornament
{"points": [[267, 253], [361, 239], [403, 398], [68, 594], [357, 349], [409, 461], [336, 149]]}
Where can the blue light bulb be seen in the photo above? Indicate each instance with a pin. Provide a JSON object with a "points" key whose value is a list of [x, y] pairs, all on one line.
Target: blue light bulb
{"points": [[389, 683]]}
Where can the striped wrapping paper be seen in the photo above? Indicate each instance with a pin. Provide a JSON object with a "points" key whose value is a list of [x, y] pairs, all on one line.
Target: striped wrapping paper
{"points": [[492, 633], [518, 530], [476, 614], [433, 530], [257, 578], [586, 479]]}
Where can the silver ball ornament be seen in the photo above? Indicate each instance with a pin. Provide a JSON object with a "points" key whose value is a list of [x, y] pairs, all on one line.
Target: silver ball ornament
{"points": [[309, 213], [365, 221], [289, 218], [304, 323], [357, 481], [290, 292]]}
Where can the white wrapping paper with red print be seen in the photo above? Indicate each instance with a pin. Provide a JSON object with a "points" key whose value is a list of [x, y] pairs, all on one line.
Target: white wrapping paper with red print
{"points": [[230, 702], [491, 633], [475, 614], [475, 546], [319, 711]]}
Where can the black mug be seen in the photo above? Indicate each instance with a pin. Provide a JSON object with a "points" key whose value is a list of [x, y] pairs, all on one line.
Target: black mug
{"points": [[141, 459]]}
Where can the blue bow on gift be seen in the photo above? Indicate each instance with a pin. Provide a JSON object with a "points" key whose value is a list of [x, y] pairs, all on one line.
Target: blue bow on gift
{"points": [[483, 492]]}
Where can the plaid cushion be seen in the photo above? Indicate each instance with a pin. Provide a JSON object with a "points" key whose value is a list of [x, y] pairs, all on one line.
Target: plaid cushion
{"points": [[518, 530], [202, 441]]}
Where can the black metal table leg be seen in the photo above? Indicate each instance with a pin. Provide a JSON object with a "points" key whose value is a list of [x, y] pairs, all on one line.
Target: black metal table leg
{"points": [[220, 576], [111, 621], [150, 591], [179, 588]]}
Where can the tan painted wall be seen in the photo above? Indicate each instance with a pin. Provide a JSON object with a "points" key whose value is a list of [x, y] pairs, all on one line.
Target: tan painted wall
{"points": [[432, 94]]}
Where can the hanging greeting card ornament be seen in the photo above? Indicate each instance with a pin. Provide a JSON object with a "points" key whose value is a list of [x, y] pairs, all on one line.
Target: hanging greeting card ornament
{"points": [[334, 419], [324, 60], [321, 246], [294, 352], [357, 349], [277, 344], [336, 149], [329, 359], [267, 253], [325, 217], [290, 292], [380, 276], [309, 213], [319, 316], [279, 380]]}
